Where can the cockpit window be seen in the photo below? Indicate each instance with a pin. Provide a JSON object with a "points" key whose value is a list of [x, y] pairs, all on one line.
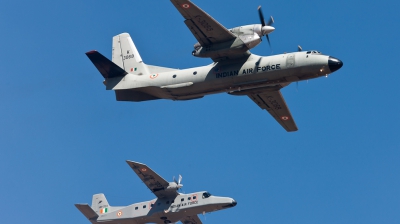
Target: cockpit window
{"points": [[313, 52], [206, 194]]}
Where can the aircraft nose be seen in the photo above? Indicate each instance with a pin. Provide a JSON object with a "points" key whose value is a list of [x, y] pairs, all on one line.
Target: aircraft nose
{"points": [[234, 203], [334, 64]]}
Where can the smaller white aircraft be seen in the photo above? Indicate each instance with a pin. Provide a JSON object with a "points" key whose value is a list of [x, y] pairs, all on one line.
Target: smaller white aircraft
{"points": [[170, 206]]}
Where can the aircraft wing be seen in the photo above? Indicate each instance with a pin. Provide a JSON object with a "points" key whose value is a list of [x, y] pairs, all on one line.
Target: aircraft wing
{"points": [[194, 219], [153, 181], [205, 29], [273, 102]]}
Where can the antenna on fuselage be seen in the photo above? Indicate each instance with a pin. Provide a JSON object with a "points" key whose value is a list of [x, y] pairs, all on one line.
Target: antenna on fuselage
{"points": [[299, 48]]}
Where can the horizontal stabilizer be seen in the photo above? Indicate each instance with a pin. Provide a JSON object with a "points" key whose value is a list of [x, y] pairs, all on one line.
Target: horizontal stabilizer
{"points": [[87, 211], [107, 68]]}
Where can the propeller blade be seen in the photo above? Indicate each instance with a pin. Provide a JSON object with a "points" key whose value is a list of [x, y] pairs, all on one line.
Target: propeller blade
{"points": [[175, 180], [269, 42], [260, 14], [180, 179], [271, 21]]}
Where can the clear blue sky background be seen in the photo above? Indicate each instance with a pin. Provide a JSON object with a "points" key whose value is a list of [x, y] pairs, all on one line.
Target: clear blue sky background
{"points": [[63, 137]]}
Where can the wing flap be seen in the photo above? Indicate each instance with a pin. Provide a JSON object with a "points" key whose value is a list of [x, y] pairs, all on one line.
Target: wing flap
{"points": [[107, 68], [202, 25], [197, 33], [275, 104]]}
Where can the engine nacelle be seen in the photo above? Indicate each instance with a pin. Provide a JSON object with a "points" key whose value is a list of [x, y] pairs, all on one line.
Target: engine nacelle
{"points": [[247, 37]]}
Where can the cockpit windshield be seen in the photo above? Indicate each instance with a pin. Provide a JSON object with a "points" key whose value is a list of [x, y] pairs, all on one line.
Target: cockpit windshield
{"points": [[206, 194], [313, 52]]}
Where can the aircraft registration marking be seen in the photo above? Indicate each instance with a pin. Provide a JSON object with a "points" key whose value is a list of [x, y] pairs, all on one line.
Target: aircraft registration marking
{"points": [[204, 23], [274, 103]]}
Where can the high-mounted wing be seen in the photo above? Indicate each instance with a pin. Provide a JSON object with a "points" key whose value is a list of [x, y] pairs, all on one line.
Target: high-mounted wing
{"points": [[205, 29], [194, 219], [153, 181], [273, 102]]}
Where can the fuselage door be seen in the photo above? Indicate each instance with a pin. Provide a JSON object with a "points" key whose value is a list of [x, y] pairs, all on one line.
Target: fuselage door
{"points": [[290, 61]]}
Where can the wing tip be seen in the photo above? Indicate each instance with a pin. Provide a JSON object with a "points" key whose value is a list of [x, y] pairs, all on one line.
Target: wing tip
{"points": [[91, 52]]}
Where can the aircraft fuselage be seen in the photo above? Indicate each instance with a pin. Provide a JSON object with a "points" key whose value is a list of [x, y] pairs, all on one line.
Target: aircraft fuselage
{"points": [[234, 77]]}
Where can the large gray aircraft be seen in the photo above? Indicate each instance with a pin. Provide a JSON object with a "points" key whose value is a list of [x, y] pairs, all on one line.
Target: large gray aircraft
{"points": [[170, 206], [234, 69]]}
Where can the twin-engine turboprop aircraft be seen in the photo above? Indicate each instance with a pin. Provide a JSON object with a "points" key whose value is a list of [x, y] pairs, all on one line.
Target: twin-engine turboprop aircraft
{"points": [[169, 206], [234, 71]]}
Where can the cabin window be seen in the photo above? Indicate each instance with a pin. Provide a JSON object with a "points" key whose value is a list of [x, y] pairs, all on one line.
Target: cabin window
{"points": [[194, 73], [136, 208], [174, 76], [308, 52], [144, 206], [189, 198], [182, 199], [194, 197]]}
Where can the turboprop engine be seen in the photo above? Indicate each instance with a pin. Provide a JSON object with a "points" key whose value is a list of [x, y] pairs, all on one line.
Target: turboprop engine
{"points": [[247, 37], [176, 184]]}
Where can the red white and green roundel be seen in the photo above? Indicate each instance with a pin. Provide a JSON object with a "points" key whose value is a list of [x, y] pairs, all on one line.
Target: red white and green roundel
{"points": [[153, 76], [185, 6], [285, 118]]}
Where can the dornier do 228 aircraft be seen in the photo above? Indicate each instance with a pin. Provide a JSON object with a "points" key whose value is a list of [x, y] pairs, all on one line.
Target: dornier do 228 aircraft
{"points": [[169, 206], [235, 70]]}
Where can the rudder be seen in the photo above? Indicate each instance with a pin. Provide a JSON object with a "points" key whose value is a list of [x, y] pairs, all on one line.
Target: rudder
{"points": [[100, 204], [126, 55]]}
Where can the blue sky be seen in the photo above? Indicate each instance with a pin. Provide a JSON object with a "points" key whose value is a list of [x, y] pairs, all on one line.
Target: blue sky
{"points": [[63, 137]]}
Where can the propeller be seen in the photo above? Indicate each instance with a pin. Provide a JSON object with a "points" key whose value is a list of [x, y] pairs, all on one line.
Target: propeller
{"points": [[178, 182], [266, 28]]}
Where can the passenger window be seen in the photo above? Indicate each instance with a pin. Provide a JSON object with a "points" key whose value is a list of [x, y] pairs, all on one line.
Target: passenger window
{"points": [[194, 197], [174, 76], [136, 208], [144, 206], [194, 73], [182, 199], [189, 198]]}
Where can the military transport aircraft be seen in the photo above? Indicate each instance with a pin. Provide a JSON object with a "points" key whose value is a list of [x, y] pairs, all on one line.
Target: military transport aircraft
{"points": [[234, 71], [169, 206]]}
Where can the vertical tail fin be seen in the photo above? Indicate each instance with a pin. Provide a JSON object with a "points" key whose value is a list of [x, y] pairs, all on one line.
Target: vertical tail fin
{"points": [[100, 204], [126, 56]]}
